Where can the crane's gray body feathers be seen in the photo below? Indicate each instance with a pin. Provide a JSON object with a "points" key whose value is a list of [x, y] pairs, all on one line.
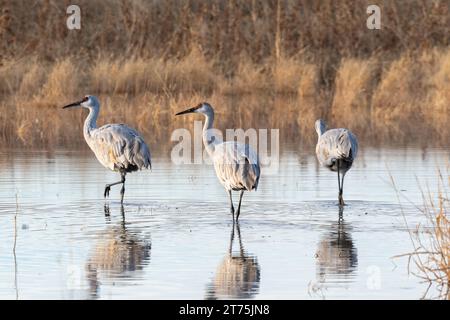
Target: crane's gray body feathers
{"points": [[236, 165], [337, 147], [120, 148]]}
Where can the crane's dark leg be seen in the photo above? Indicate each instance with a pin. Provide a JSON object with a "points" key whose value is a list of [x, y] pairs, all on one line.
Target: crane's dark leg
{"points": [[230, 250], [341, 184], [106, 210], [122, 191], [341, 214], [108, 186], [341, 191], [341, 201], [231, 204], [241, 246], [239, 206], [122, 211]]}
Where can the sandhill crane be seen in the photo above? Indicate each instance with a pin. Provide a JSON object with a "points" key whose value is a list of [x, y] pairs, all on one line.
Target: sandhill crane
{"points": [[116, 146], [336, 149], [236, 164]]}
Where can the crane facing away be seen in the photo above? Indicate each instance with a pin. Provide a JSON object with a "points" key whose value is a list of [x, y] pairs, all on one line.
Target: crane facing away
{"points": [[336, 150]]}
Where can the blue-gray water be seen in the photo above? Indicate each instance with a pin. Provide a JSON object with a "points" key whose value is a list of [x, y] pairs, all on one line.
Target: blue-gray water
{"points": [[173, 239]]}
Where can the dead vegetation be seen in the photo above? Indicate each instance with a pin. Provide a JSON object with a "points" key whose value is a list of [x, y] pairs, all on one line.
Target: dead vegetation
{"points": [[430, 259], [280, 64]]}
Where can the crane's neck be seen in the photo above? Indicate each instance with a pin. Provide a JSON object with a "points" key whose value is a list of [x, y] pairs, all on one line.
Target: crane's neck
{"points": [[90, 123], [209, 140], [320, 129]]}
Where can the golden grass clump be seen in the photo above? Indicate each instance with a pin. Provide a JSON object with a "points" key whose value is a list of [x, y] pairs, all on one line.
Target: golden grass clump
{"points": [[134, 76], [64, 80], [354, 81], [192, 73], [248, 78], [43, 90], [33, 80], [311, 102], [437, 107], [287, 75], [11, 74], [399, 97], [412, 97], [103, 75]]}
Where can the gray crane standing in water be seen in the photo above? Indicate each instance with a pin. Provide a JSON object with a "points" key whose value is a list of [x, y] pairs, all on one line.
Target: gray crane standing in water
{"points": [[236, 164], [116, 146], [336, 150]]}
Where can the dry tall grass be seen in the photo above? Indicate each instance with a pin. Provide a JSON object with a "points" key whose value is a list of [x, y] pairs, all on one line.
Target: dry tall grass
{"points": [[192, 73], [406, 100], [279, 64], [223, 29], [432, 243], [437, 112], [355, 81]]}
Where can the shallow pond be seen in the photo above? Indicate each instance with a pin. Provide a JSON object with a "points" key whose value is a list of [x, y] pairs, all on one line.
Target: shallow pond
{"points": [[174, 236]]}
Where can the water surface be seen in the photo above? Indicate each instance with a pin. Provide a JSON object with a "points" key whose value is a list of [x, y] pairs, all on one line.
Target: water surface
{"points": [[174, 237]]}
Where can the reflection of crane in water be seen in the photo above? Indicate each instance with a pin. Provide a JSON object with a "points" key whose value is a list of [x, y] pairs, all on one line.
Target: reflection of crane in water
{"points": [[118, 254], [336, 255], [237, 276]]}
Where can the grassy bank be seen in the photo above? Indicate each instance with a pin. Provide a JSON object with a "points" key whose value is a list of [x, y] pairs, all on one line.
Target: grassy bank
{"points": [[405, 101], [275, 64]]}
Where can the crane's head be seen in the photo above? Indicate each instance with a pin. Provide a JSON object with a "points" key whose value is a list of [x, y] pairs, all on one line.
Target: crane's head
{"points": [[87, 102], [321, 127], [203, 107]]}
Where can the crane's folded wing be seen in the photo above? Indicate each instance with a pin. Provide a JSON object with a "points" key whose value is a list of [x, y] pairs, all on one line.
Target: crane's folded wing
{"points": [[121, 148]]}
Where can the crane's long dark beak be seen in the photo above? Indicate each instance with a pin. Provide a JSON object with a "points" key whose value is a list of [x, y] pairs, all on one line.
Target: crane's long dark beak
{"points": [[190, 110], [75, 104]]}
